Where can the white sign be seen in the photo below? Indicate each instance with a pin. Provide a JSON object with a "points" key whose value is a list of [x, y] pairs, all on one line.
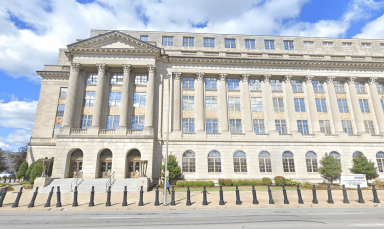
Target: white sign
{"points": [[352, 180]]}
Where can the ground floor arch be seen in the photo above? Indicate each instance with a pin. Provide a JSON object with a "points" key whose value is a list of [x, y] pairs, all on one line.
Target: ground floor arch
{"points": [[75, 163], [133, 164], [105, 164]]}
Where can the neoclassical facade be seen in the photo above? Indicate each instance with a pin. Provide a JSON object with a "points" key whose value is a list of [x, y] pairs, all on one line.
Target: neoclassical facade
{"points": [[238, 107]]}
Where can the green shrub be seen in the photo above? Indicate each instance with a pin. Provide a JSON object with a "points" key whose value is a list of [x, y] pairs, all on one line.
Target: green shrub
{"points": [[307, 185], [378, 183], [180, 183], [279, 180], [22, 170], [330, 169], [240, 183], [228, 182], [29, 170], [290, 182], [267, 181], [36, 172], [221, 181], [361, 165], [211, 183], [256, 182], [246, 182]]}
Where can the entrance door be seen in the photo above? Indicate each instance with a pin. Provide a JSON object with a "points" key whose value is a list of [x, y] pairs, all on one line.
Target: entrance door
{"points": [[76, 166], [105, 164], [133, 159]]}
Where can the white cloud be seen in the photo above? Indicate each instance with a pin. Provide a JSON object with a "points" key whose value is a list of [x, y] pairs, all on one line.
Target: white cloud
{"points": [[373, 29], [5, 147], [17, 114], [18, 137]]}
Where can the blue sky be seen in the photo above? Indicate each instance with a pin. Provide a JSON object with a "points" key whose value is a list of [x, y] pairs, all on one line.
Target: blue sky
{"points": [[33, 31]]}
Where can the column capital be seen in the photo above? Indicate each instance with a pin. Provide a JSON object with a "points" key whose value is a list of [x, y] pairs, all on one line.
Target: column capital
{"points": [[266, 77], [308, 79], [101, 67], [351, 79], [199, 75], [177, 75], [245, 77], [330, 79], [287, 78], [222, 76], [75, 67], [127, 67], [151, 68], [372, 80]]}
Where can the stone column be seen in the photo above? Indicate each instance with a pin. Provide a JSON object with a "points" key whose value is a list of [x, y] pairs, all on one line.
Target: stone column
{"points": [[269, 114], [97, 109], [376, 104], [223, 107], [291, 105], [122, 129], [312, 105], [355, 105], [334, 107], [177, 103], [246, 101], [149, 107], [70, 102], [199, 103]]}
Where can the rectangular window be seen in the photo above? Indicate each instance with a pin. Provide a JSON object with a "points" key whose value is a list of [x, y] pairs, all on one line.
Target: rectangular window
{"points": [[347, 126], [233, 84], [382, 47], [63, 92], [234, 103], [328, 46], [141, 79], [278, 104], [382, 104], [250, 44], [380, 87], [299, 104], [89, 98], [188, 125], [255, 85], [366, 47], [60, 110], [369, 127], [114, 99], [209, 42], [325, 127], [343, 106], [359, 87], [188, 41], [281, 126], [188, 103], [86, 121], [56, 130], [188, 83], [230, 43], [308, 45], [211, 103], [258, 126], [138, 122], [92, 78], [112, 122], [235, 126], [167, 41], [212, 126], [321, 105], [269, 44], [288, 45], [117, 78], [211, 83], [302, 126], [347, 47], [296, 85], [139, 99], [339, 87], [364, 105], [144, 37], [257, 104], [317, 85], [276, 85]]}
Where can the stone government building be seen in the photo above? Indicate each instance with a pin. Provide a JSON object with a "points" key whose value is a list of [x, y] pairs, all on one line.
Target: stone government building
{"points": [[241, 107]]}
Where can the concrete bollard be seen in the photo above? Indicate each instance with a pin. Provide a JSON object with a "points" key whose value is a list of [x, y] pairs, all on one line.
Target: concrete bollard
{"points": [[345, 196], [141, 203], [188, 197], [285, 195], [58, 193], [361, 200], [75, 204], [3, 196], [221, 202], [173, 203], [314, 200], [299, 197], [108, 203], [16, 203], [330, 199], [92, 200], [205, 196], [48, 203], [32, 203], [270, 196], [125, 197], [238, 201], [375, 197], [255, 201]]}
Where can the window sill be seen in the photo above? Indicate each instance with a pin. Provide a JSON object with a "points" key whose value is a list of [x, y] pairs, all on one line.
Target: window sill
{"points": [[188, 89], [341, 92], [277, 91], [320, 92], [363, 93], [234, 90], [140, 85], [256, 90], [298, 91], [211, 89]]}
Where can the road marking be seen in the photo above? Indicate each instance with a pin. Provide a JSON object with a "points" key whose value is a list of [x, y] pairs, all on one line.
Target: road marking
{"points": [[119, 217], [347, 213], [366, 225]]}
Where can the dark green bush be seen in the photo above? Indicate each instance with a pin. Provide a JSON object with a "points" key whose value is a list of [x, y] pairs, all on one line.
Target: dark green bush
{"points": [[221, 181], [29, 170], [240, 183], [22, 170], [256, 182], [211, 183], [37, 170], [246, 182], [228, 182], [180, 183], [267, 181]]}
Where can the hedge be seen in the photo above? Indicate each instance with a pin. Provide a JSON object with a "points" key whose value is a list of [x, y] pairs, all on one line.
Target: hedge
{"points": [[22, 170], [279, 180], [195, 183], [266, 181], [290, 182]]}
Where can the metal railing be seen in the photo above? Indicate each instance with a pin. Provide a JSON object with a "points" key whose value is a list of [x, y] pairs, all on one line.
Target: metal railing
{"points": [[109, 181], [76, 182]]}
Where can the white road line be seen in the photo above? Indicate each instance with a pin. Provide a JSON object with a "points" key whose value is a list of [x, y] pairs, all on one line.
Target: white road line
{"points": [[366, 225], [119, 217]]}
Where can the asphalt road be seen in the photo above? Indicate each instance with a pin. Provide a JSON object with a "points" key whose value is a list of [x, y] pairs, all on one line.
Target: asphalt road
{"points": [[229, 218]]}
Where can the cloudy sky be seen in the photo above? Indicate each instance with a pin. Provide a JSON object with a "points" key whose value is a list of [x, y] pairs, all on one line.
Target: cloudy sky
{"points": [[32, 31]]}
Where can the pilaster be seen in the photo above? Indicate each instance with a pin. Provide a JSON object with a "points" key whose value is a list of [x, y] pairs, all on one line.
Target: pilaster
{"points": [[149, 108], [97, 109], [122, 129]]}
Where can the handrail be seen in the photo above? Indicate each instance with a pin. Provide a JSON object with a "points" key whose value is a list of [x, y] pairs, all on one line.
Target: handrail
{"points": [[109, 181], [75, 181]]}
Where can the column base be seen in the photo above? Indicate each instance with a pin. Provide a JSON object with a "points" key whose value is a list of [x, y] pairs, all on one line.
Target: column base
{"points": [[365, 135], [93, 130], [148, 130], [121, 130], [226, 135], [65, 130], [296, 135], [320, 136], [273, 135]]}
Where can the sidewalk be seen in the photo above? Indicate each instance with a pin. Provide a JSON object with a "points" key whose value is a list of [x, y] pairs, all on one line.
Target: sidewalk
{"points": [[181, 197]]}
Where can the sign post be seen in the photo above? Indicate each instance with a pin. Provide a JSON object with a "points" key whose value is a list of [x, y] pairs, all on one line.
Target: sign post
{"points": [[352, 180]]}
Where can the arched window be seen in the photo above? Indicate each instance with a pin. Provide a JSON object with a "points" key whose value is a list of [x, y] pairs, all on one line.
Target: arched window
{"points": [[311, 159], [336, 155], [265, 162], [189, 162], [288, 162], [356, 154], [240, 162], [380, 161], [214, 162]]}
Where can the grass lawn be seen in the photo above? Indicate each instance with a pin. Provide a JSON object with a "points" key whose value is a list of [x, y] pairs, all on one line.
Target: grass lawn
{"points": [[230, 188]]}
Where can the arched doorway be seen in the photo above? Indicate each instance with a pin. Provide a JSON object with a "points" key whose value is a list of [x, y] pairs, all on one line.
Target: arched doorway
{"points": [[76, 164], [133, 162], [105, 167]]}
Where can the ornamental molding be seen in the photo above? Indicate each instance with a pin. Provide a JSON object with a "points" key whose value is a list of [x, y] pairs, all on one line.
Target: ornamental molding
{"points": [[101, 67], [75, 67], [245, 77], [177, 75], [330, 79], [309, 78], [372, 80], [127, 68], [266, 77], [287, 78], [151, 68], [351, 79], [199, 76], [222, 76]]}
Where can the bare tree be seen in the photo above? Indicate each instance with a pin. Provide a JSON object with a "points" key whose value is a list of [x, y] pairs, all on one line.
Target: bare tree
{"points": [[2, 161], [19, 157]]}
